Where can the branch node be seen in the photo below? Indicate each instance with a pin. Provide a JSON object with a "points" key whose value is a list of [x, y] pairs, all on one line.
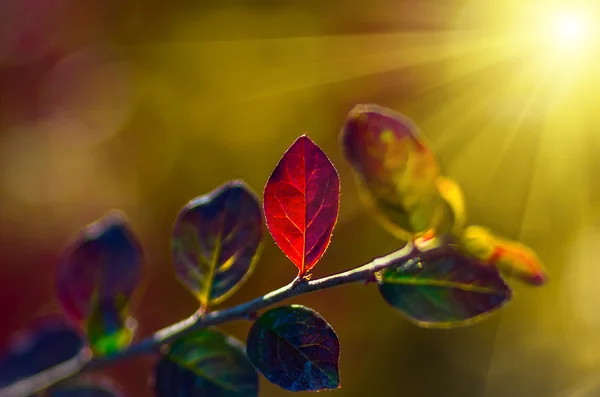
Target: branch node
{"points": [[300, 280], [165, 349], [370, 278], [250, 316]]}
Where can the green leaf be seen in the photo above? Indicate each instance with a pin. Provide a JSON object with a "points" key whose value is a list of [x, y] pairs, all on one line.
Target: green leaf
{"points": [[445, 289], [296, 349], [108, 329], [208, 363]]}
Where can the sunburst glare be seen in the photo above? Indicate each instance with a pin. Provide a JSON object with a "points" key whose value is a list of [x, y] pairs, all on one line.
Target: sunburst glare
{"points": [[570, 29]]}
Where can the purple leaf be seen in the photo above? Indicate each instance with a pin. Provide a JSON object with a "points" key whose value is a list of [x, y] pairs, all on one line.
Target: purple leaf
{"points": [[98, 275], [217, 240], [295, 348]]}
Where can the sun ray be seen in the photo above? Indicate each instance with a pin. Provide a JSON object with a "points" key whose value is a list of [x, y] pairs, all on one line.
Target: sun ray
{"points": [[453, 122], [302, 63], [493, 165]]}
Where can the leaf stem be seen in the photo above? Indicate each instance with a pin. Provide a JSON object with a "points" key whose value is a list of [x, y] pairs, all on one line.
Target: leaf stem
{"points": [[198, 320]]}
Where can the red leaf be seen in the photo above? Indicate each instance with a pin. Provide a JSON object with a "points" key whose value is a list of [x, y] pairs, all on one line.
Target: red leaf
{"points": [[301, 202]]}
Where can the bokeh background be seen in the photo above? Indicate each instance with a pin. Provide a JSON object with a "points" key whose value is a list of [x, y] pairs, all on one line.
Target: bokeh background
{"points": [[144, 104]]}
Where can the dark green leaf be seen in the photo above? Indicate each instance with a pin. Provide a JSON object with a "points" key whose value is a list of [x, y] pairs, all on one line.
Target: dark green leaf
{"points": [[208, 363], [295, 348], [445, 289]]}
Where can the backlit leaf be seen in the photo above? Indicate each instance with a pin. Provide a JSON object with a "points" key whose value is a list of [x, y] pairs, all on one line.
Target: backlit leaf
{"points": [[455, 217], [208, 363], [301, 202], [445, 289], [217, 240], [45, 344], [97, 277], [295, 348], [396, 172], [108, 329], [510, 257]]}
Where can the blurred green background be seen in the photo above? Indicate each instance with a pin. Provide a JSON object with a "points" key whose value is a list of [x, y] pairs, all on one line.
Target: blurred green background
{"points": [[143, 105]]}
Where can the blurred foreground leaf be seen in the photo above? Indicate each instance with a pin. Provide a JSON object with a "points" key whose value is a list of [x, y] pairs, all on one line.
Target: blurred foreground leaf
{"points": [[510, 257], [97, 277], [42, 346]]}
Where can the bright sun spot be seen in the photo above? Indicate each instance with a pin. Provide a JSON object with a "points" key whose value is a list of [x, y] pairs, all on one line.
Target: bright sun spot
{"points": [[569, 30]]}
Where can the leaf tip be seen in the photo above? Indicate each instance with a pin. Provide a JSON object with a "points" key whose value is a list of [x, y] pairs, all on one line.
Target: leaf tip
{"points": [[237, 183], [305, 140], [114, 215], [538, 279], [112, 218]]}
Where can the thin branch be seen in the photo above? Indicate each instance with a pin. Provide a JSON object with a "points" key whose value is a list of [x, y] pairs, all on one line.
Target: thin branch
{"points": [[152, 344]]}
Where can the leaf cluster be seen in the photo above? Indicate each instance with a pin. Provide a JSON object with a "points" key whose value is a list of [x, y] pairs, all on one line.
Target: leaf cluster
{"points": [[454, 278]]}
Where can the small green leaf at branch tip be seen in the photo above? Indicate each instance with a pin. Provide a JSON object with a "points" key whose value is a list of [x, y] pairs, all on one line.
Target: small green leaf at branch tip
{"points": [[109, 331], [445, 289], [206, 363], [295, 348], [217, 239]]}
